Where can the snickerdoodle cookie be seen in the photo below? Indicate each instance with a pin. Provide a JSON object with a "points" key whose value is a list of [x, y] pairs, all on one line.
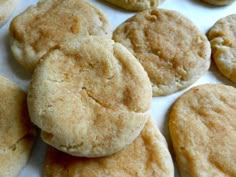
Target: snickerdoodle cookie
{"points": [[219, 2], [223, 42], [7, 7], [16, 131], [40, 28], [90, 98], [136, 5], [148, 156], [169, 46], [203, 131]]}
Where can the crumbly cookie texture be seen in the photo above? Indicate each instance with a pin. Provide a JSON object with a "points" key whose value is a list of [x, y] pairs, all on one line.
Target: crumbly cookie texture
{"points": [[219, 2], [7, 8], [148, 155], [39, 28], [136, 5], [90, 98], [203, 131], [17, 133], [169, 46], [223, 42]]}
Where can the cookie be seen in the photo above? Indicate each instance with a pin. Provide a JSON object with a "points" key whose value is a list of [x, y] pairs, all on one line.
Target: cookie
{"points": [[17, 133], [219, 2], [223, 42], [7, 8], [148, 155], [203, 131], [90, 98], [136, 5], [40, 28], [169, 46]]}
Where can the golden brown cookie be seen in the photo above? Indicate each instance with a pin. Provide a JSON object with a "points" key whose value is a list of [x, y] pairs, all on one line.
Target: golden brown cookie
{"points": [[202, 126], [169, 46], [219, 2], [223, 42], [7, 7], [136, 5], [17, 133], [90, 98], [40, 28], [148, 156]]}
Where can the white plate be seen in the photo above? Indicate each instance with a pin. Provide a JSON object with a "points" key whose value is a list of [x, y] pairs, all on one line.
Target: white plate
{"points": [[203, 16]]}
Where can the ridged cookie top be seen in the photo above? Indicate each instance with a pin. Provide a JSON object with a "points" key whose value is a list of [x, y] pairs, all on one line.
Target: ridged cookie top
{"points": [[14, 119], [202, 126], [147, 156], [49, 23], [169, 46], [223, 42], [90, 98]]}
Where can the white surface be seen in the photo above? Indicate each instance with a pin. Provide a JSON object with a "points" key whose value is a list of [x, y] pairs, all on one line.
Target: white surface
{"points": [[203, 15]]}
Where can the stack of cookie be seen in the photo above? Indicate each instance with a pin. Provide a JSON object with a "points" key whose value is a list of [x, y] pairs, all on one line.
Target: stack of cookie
{"points": [[89, 95]]}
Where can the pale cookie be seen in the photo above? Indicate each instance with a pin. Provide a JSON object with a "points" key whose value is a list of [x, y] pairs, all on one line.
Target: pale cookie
{"points": [[16, 132], [7, 8], [42, 27], [223, 42], [90, 98], [147, 156], [169, 46], [219, 2], [202, 126], [136, 5]]}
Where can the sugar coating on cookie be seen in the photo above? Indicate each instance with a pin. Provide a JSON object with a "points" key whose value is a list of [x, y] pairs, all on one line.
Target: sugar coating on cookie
{"points": [[40, 28], [148, 155], [223, 42], [7, 8], [219, 2], [136, 5], [17, 133], [169, 46], [203, 131], [90, 98]]}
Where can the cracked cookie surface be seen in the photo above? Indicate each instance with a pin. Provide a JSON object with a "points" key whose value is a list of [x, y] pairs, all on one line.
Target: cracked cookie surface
{"points": [[17, 133], [90, 98], [136, 5], [203, 131], [223, 42], [39, 28], [147, 155], [169, 46]]}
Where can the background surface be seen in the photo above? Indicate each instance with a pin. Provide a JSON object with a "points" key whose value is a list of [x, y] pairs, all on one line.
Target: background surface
{"points": [[202, 15]]}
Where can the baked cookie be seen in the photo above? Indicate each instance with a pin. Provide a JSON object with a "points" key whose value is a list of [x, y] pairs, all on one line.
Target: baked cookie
{"points": [[17, 134], [90, 98], [7, 8], [148, 155], [223, 42], [203, 131], [168, 45], [136, 5], [40, 28], [219, 2]]}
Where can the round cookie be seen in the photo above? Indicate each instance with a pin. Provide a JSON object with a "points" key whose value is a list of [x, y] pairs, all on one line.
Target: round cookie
{"points": [[219, 2], [168, 45], [136, 5], [223, 42], [17, 134], [148, 156], [203, 131], [40, 28], [90, 98], [7, 8]]}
